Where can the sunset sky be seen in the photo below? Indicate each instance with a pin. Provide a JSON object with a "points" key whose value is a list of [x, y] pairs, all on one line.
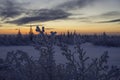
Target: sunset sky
{"points": [[83, 16]]}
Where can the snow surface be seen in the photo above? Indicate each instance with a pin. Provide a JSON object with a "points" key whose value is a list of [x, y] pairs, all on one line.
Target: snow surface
{"points": [[91, 51]]}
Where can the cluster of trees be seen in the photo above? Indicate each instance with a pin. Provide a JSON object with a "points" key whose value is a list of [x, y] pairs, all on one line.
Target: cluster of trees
{"points": [[69, 38], [19, 39], [18, 65], [102, 40], [106, 40]]}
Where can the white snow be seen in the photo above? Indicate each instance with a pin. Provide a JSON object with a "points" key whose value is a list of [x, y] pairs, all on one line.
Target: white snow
{"points": [[91, 50]]}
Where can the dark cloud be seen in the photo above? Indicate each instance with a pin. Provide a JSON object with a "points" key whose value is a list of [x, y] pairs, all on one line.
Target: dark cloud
{"points": [[8, 29], [42, 15], [95, 18], [13, 9], [49, 28], [106, 15], [10, 9], [110, 14], [111, 21], [72, 4], [0, 25]]}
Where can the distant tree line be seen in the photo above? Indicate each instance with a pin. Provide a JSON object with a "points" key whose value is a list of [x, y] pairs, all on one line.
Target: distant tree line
{"points": [[69, 38], [101, 40]]}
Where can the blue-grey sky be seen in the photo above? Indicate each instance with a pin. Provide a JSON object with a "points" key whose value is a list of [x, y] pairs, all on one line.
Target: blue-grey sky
{"points": [[36, 8], [19, 12]]}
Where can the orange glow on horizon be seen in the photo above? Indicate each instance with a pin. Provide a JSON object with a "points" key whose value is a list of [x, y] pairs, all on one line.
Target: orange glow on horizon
{"points": [[59, 31], [64, 27]]}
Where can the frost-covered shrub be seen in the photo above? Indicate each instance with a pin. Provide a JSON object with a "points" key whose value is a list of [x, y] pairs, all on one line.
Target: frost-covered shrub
{"points": [[19, 66], [14, 66], [79, 66]]}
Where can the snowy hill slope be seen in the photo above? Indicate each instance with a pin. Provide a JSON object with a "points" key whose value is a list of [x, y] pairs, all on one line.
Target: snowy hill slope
{"points": [[91, 50]]}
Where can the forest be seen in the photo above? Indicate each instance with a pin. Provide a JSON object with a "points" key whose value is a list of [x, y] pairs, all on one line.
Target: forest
{"points": [[18, 65]]}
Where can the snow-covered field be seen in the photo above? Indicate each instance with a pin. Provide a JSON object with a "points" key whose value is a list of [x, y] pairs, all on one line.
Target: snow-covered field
{"points": [[91, 50]]}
